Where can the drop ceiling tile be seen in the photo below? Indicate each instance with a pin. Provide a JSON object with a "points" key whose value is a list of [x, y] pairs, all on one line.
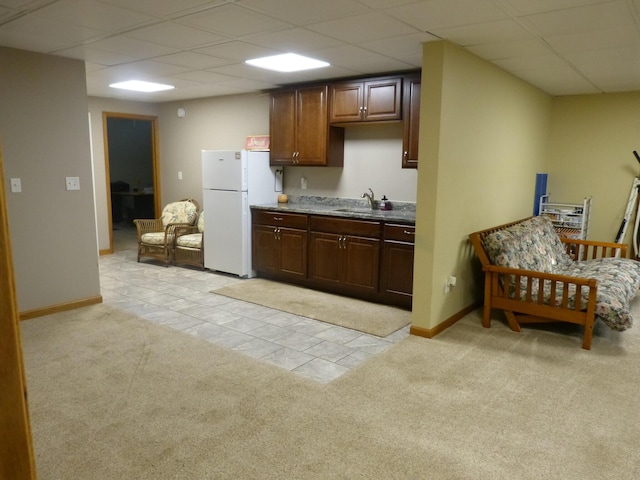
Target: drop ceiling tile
{"points": [[133, 47], [191, 60], [594, 40], [527, 7], [93, 14], [601, 16], [41, 35], [531, 47], [359, 59], [165, 8], [313, 12], [233, 21], [176, 35], [407, 48], [201, 76], [427, 15], [362, 28], [609, 59], [380, 4], [99, 57], [146, 70], [237, 50], [480, 33], [293, 40]]}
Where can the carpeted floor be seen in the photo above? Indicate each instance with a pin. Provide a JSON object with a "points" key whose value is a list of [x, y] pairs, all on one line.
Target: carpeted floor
{"points": [[366, 317], [115, 397]]}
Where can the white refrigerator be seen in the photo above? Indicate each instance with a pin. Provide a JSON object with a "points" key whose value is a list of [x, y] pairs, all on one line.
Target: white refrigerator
{"points": [[232, 181]]}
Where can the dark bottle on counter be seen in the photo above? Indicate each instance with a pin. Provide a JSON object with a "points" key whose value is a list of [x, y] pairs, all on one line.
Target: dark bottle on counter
{"points": [[385, 204]]}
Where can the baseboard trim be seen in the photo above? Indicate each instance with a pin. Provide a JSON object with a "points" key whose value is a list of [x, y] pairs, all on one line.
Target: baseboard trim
{"points": [[106, 251], [432, 332], [62, 307]]}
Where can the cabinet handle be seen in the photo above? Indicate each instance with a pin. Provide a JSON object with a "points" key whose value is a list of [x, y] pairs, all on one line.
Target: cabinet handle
{"points": [[407, 232], [277, 219], [406, 155]]}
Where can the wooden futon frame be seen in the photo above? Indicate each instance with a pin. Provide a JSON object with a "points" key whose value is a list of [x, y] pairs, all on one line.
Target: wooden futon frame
{"points": [[531, 307]]}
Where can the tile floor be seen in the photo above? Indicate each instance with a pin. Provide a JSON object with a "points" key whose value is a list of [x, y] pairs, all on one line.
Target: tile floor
{"points": [[179, 297]]}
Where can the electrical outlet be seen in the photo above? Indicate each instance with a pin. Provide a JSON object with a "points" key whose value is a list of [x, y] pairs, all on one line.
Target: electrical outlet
{"points": [[179, 175], [73, 183]]}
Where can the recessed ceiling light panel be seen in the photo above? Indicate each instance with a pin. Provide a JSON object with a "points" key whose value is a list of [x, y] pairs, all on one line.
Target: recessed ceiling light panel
{"points": [[287, 62], [141, 86]]}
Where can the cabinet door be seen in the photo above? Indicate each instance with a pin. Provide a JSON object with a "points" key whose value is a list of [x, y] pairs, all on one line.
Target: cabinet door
{"points": [[311, 126], [347, 100], [397, 277], [411, 117], [325, 257], [361, 263], [265, 252], [293, 252], [282, 127], [382, 100]]}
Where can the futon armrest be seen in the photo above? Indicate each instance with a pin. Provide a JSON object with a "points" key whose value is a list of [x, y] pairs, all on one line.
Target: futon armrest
{"points": [[554, 277], [591, 249]]}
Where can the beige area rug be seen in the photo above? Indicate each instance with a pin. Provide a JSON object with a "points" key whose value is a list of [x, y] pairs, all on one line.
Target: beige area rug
{"points": [[113, 396], [366, 317]]}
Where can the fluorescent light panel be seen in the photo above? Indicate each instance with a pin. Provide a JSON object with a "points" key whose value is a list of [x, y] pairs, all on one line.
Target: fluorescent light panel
{"points": [[141, 86], [287, 62]]}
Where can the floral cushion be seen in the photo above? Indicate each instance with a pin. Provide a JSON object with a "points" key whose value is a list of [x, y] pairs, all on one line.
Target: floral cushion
{"points": [[529, 245], [201, 222], [191, 240], [155, 238], [179, 212], [534, 245]]}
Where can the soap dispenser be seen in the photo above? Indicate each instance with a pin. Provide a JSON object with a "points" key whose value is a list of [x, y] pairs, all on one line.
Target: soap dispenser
{"points": [[385, 204]]}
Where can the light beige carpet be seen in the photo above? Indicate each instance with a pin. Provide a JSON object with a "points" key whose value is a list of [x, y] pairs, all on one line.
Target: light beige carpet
{"points": [[366, 317], [114, 397]]}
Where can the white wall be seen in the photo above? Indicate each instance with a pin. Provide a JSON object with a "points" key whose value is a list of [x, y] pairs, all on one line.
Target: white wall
{"points": [[44, 134]]}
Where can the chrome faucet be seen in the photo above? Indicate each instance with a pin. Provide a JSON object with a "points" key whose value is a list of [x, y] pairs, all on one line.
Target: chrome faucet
{"points": [[370, 197]]}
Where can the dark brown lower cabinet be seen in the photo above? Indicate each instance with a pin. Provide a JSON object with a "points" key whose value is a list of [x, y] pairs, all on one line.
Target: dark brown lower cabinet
{"points": [[279, 244], [396, 279], [345, 254], [360, 258]]}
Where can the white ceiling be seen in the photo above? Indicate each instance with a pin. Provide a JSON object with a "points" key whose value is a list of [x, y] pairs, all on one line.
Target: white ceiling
{"points": [[562, 46]]}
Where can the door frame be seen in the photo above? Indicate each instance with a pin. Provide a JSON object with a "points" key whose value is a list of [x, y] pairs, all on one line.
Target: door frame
{"points": [[154, 160], [16, 447]]}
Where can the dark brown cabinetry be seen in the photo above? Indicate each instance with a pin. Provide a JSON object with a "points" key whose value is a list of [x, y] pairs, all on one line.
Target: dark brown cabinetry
{"points": [[367, 259], [299, 130], [372, 100], [411, 117], [279, 244], [396, 279], [344, 254]]}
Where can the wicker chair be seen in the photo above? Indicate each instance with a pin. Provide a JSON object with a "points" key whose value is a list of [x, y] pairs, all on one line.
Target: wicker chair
{"points": [[156, 237], [189, 246]]}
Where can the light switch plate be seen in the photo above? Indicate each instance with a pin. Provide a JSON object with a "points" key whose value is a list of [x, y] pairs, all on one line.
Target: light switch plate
{"points": [[16, 185], [73, 183]]}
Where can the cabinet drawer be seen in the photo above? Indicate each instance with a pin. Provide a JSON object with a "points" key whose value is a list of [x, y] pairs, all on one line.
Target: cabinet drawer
{"points": [[362, 228], [292, 220], [401, 233]]}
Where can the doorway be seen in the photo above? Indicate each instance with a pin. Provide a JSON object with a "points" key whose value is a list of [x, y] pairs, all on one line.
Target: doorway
{"points": [[130, 143]]}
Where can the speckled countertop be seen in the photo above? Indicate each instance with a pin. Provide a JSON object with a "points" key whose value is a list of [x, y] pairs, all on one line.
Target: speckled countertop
{"points": [[402, 212]]}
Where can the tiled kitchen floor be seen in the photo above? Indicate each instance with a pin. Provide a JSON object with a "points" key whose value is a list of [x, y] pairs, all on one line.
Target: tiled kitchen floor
{"points": [[180, 298]]}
